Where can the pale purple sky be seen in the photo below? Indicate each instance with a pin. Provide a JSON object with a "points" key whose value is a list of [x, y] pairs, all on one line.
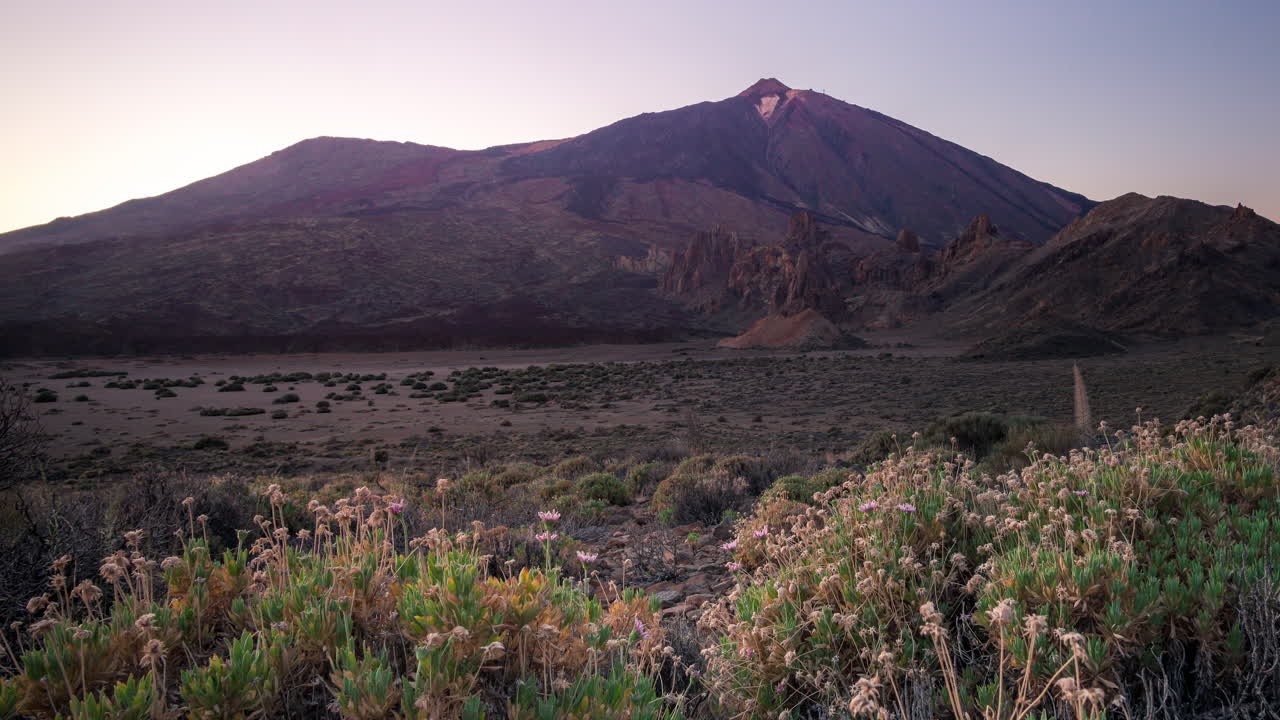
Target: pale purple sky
{"points": [[107, 101]]}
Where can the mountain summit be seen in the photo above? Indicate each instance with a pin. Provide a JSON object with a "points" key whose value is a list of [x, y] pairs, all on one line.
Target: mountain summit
{"points": [[764, 86], [347, 242]]}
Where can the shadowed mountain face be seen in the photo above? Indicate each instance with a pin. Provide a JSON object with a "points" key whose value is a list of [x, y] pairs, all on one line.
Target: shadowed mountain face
{"points": [[1163, 266], [356, 243], [1133, 266]]}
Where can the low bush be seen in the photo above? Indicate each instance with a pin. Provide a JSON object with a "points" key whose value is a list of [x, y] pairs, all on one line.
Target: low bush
{"points": [[408, 629], [605, 487], [211, 442], [698, 497], [286, 399], [1134, 577], [644, 477], [575, 467]]}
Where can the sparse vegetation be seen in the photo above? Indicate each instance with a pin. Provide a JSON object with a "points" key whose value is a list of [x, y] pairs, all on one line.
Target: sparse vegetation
{"points": [[1139, 570], [22, 441]]}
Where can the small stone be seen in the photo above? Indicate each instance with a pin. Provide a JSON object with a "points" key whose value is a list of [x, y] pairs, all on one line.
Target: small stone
{"points": [[668, 597]]}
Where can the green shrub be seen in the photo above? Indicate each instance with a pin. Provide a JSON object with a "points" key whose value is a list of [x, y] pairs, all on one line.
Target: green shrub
{"points": [[279, 414], [232, 387], [132, 699], [242, 684], [699, 497], [555, 488], [1012, 453], [876, 447], [1132, 551], [286, 399], [797, 488], [606, 487], [45, 396], [1208, 405], [516, 474], [575, 467], [645, 476]]}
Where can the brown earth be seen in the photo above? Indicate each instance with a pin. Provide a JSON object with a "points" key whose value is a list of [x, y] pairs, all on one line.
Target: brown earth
{"points": [[618, 400]]}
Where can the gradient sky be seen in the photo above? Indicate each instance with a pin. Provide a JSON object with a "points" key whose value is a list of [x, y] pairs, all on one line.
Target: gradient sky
{"points": [[107, 101]]}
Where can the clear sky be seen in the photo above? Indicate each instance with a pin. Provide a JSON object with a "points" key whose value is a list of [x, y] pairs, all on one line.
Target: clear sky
{"points": [[101, 102]]}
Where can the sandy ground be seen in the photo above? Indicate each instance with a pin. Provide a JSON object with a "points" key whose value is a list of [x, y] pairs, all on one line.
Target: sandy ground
{"points": [[821, 401]]}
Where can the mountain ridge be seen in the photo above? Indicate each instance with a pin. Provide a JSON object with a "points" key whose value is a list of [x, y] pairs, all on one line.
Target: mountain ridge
{"points": [[346, 243]]}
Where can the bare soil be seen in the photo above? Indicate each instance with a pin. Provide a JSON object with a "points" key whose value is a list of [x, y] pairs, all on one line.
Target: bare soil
{"points": [[617, 399]]}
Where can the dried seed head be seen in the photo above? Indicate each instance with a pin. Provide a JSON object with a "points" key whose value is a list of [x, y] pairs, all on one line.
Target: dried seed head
{"points": [[1003, 614]]}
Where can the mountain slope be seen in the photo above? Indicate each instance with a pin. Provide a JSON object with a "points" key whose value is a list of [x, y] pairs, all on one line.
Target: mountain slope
{"points": [[1163, 266], [350, 243]]}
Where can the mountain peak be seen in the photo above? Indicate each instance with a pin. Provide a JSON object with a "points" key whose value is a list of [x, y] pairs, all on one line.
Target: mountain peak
{"points": [[765, 86]]}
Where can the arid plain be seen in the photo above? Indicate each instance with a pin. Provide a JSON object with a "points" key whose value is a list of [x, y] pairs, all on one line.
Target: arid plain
{"points": [[467, 406]]}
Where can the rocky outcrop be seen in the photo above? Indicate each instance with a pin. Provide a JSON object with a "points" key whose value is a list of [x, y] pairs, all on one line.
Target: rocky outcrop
{"points": [[699, 274], [1153, 266], [718, 271]]}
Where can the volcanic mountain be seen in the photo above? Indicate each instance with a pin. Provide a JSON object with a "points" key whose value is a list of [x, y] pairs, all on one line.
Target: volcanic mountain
{"points": [[345, 243]]}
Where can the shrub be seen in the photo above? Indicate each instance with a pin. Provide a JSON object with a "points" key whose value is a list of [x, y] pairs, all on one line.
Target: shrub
{"points": [[698, 497], [45, 396], [645, 476], [1142, 555], [754, 470], [1209, 404], [575, 467], [796, 488], [279, 414], [81, 398], [606, 487], [876, 447], [1015, 450], [355, 617], [555, 488], [211, 442], [286, 398], [516, 474], [974, 433], [232, 387]]}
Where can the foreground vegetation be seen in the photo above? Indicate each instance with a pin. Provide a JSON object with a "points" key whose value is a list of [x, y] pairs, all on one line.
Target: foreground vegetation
{"points": [[1135, 577]]}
